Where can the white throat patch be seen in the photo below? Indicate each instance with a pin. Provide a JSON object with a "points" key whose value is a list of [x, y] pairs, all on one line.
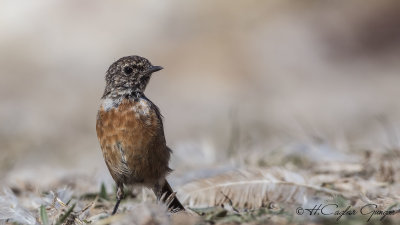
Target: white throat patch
{"points": [[143, 108], [109, 103]]}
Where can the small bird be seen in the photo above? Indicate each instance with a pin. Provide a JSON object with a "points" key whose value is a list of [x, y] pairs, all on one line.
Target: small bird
{"points": [[130, 131]]}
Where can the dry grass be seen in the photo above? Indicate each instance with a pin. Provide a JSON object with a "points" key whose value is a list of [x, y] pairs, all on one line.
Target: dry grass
{"points": [[251, 196]]}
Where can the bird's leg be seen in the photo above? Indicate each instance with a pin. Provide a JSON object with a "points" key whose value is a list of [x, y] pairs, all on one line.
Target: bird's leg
{"points": [[120, 196]]}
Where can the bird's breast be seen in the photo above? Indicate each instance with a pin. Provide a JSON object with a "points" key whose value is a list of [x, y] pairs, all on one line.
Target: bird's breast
{"points": [[128, 117]]}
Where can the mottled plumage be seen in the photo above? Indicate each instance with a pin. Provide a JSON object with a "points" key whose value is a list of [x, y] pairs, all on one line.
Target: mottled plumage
{"points": [[130, 130]]}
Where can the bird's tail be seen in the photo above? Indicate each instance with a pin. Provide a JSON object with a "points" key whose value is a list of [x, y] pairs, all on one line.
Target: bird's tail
{"points": [[168, 196]]}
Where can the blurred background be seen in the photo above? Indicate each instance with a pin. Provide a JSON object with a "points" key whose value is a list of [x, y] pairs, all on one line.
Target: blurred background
{"points": [[243, 81]]}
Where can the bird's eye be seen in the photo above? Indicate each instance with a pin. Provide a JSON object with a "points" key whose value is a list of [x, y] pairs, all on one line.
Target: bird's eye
{"points": [[128, 70]]}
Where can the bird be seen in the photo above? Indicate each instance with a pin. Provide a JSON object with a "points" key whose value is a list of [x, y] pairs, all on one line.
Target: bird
{"points": [[130, 131]]}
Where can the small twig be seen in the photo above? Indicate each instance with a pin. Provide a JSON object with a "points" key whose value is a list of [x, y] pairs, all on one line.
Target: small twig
{"points": [[70, 209], [61, 202], [230, 202], [90, 206]]}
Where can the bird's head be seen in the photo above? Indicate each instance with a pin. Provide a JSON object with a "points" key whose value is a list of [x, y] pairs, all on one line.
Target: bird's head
{"points": [[129, 74]]}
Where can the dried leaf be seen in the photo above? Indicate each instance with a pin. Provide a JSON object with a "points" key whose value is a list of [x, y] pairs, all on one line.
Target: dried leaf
{"points": [[252, 189], [12, 211]]}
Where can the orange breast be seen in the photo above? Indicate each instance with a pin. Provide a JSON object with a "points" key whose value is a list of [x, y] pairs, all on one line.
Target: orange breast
{"points": [[132, 141]]}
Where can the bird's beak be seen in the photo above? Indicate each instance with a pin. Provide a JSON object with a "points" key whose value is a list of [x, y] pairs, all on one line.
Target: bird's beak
{"points": [[153, 69]]}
